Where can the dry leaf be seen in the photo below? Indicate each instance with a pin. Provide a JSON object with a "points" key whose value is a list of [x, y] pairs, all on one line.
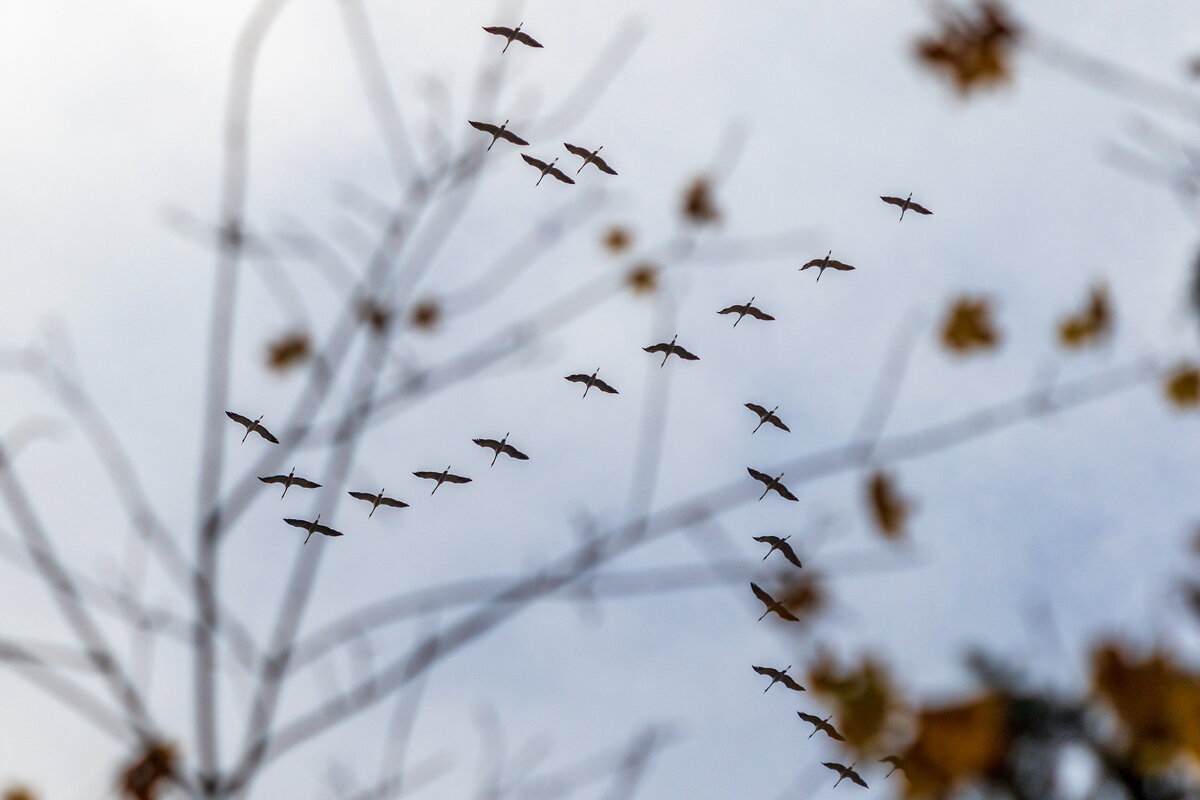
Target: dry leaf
{"points": [[1091, 325], [289, 350], [617, 239], [863, 698], [698, 205], [374, 315], [956, 745], [19, 793], [973, 52], [889, 508], [141, 779], [643, 278], [1183, 386], [968, 326], [425, 315]]}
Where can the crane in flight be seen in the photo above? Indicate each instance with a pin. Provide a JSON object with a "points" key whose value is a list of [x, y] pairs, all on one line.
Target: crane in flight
{"points": [[377, 500], [771, 483], [312, 527], [772, 605], [498, 132], [442, 477], [590, 157], [512, 34], [906, 205], [897, 764], [671, 349], [766, 416], [779, 676], [501, 447], [745, 309], [782, 546], [845, 772], [252, 426], [547, 169], [289, 481], [826, 263], [821, 725], [591, 380]]}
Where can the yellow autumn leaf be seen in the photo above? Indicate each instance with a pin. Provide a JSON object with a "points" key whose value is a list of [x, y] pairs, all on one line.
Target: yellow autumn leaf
{"points": [[956, 745], [968, 326]]}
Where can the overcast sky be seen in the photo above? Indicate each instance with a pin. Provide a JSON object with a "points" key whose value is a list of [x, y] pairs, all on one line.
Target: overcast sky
{"points": [[112, 125]]}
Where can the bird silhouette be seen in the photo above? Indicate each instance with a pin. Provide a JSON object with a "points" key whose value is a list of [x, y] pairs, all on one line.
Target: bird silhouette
{"points": [[772, 605], [779, 676], [845, 772], [906, 205], [312, 527], [289, 481], [782, 546], [766, 416], [671, 349], [500, 132], [746, 308], [501, 447], [377, 500], [826, 263], [590, 157], [547, 169], [512, 34], [590, 381], [897, 764], [252, 426], [821, 725], [442, 477], [771, 483]]}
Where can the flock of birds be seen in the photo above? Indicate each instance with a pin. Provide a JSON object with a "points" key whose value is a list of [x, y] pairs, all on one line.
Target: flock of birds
{"points": [[593, 381]]}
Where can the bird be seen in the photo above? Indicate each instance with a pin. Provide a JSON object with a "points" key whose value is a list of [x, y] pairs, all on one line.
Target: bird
{"points": [[289, 481], [442, 477], [501, 447], [312, 527], [845, 772], [512, 34], [766, 416], [500, 132], [906, 205], [744, 309], [826, 263], [897, 764], [779, 676], [671, 349], [772, 605], [252, 426], [820, 725], [377, 500], [590, 157], [590, 381], [782, 546], [771, 483], [547, 169]]}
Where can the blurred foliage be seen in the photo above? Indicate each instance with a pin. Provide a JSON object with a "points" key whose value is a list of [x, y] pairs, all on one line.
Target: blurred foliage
{"points": [[699, 208], [803, 593], [955, 745], [426, 315], [968, 326], [1091, 325], [889, 509], [19, 793], [972, 51], [643, 278], [143, 779], [864, 699], [374, 315], [617, 239], [1182, 386], [288, 351]]}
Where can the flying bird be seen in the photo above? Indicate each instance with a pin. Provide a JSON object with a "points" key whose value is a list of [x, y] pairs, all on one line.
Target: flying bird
{"points": [[500, 132], [289, 481], [501, 447], [547, 169], [442, 477], [771, 483], [252, 426], [897, 764], [312, 527], [820, 725], [590, 157], [845, 772], [377, 500], [779, 676], [671, 349], [782, 546], [826, 263], [906, 205], [772, 605], [767, 416], [746, 309], [590, 381], [512, 34]]}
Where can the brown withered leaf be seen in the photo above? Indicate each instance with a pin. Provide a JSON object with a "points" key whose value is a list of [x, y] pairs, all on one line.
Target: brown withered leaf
{"points": [[19, 793], [643, 278], [956, 745], [288, 351], [889, 509], [1183, 386], [617, 239], [804, 594], [374, 315], [1091, 325], [425, 315], [141, 780], [968, 326], [972, 51], [699, 208], [864, 700]]}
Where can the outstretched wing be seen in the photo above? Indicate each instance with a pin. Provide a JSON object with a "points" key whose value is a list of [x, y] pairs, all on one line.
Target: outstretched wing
{"points": [[275, 479], [489, 443], [731, 310], [778, 423], [661, 347], [239, 419], [297, 523], [757, 409], [525, 38], [685, 354], [535, 162], [433, 476], [896, 201], [577, 150], [512, 137], [770, 672], [393, 502], [328, 531], [787, 681], [758, 313], [833, 765], [556, 172], [854, 776], [758, 476], [784, 493], [457, 479], [772, 540], [810, 718], [509, 450], [603, 165], [920, 209], [305, 483], [499, 30], [838, 265], [266, 434], [604, 387], [766, 599], [789, 554], [486, 127], [816, 262], [580, 379], [370, 498]]}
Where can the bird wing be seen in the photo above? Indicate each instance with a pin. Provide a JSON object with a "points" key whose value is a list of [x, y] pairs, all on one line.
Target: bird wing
{"points": [[499, 30], [896, 201], [525, 38], [731, 310], [685, 354], [920, 209], [305, 483], [604, 387], [784, 493], [297, 523], [787, 681], [275, 479], [833, 765], [512, 137], [370, 498], [457, 479], [491, 443], [766, 599], [393, 502], [854, 776], [758, 476], [266, 434], [757, 409], [789, 553], [577, 150], [580, 379], [433, 476], [603, 165], [239, 419], [895, 761], [778, 423], [839, 265], [509, 450], [534, 161], [486, 127], [328, 531], [758, 313], [768, 671], [816, 262], [832, 733], [661, 347], [809, 718], [774, 540], [556, 172], [785, 614]]}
